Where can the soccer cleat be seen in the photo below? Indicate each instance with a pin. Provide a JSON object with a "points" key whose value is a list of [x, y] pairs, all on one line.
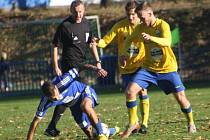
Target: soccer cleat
{"points": [[143, 129], [191, 128], [114, 131], [129, 130], [52, 132], [102, 137]]}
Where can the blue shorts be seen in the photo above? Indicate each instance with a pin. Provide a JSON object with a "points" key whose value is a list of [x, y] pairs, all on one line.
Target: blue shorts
{"points": [[168, 82], [126, 78], [80, 117]]}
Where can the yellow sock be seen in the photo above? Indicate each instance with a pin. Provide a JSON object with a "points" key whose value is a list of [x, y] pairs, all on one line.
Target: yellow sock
{"points": [[189, 117], [144, 109], [188, 114], [132, 111]]}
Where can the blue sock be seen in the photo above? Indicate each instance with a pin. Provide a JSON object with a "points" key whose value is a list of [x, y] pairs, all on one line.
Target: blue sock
{"points": [[112, 131], [99, 128]]}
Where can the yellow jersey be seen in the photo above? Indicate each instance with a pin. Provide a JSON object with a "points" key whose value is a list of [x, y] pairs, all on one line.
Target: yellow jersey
{"points": [[119, 32], [159, 56]]}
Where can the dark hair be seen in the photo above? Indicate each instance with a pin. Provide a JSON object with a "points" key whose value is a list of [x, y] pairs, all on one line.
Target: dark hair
{"points": [[47, 88], [144, 5], [131, 5], [75, 3]]}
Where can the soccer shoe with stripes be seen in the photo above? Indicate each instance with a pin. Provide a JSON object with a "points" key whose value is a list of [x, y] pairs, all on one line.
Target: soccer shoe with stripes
{"points": [[52, 132], [129, 130], [143, 129], [191, 128], [102, 137]]}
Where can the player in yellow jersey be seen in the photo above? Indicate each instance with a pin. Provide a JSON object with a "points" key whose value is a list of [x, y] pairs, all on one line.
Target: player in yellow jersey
{"points": [[159, 66], [119, 32]]}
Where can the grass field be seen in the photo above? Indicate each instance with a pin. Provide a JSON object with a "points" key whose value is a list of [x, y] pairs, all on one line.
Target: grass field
{"points": [[166, 120]]}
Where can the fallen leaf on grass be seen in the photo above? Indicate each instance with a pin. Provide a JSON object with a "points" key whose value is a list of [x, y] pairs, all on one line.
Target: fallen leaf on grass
{"points": [[18, 127], [11, 121], [204, 128], [200, 138], [209, 125], [187, 138]]}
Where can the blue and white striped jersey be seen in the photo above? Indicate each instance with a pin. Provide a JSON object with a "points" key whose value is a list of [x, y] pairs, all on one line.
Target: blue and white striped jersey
{"points": [[62, 82], [70, 91]]}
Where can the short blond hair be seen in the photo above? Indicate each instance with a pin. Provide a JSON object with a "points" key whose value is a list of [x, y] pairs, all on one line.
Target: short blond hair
{"points": [[143, 6]]}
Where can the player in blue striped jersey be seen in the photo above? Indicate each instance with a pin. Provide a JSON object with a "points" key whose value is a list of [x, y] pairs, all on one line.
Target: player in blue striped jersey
{"points": [[80, 98]]}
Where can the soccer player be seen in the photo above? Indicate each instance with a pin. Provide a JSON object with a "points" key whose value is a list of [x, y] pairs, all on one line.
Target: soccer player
{"points": [[159, 66], [72, 36], [80, 98], [119, 32]]}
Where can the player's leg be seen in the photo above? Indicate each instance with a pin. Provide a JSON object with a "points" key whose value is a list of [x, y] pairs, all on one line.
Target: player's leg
{"points": [[144, 109], [89, 101], [171, 83], [82, 120], [51, 129], [131, 103], [186, 109], [87, 107], [140, 81]]}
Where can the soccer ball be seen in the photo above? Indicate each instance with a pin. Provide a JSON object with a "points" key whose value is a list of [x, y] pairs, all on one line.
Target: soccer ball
{"points": [[105, 129]]}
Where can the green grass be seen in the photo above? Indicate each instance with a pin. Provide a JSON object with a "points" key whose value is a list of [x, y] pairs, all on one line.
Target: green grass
{"points": [[166, 120]]}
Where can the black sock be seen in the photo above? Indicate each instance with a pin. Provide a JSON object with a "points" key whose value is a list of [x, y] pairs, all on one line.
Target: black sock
{"points": [[58, 112]]}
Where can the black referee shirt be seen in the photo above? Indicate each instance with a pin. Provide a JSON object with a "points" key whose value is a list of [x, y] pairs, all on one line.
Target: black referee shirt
{"points": [[73, 38]]}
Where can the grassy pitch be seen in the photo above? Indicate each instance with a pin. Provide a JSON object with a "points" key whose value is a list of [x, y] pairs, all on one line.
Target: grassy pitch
{"points": [[166, 120]]}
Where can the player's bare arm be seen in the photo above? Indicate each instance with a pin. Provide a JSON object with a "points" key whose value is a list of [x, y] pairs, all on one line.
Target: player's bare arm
{"points": [[100, 72], [55, 60], [33, 127], [93, 46]]}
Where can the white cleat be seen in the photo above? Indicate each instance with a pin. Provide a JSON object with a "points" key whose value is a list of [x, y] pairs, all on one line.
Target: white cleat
{"points": [[191, 128]]}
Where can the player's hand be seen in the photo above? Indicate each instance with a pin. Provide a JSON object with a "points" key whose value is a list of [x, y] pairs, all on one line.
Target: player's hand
{"points": [[95, 39], [102, 73], [93, 44], [123, 60], [58, 72], [146, 37]]}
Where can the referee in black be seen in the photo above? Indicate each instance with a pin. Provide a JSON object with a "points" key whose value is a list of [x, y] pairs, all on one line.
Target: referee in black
{"points": [[73, 36]]}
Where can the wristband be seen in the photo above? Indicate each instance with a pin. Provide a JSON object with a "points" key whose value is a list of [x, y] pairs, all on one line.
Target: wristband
{"points": [[99, 61]]}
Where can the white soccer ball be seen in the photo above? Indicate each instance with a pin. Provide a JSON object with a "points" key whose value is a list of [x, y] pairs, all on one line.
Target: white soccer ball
{"points": [[105, 129]]}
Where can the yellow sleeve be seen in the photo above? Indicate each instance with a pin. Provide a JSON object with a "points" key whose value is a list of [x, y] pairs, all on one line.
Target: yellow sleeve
{"points": [[107, 39], [165, 40], [102, 43]]}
